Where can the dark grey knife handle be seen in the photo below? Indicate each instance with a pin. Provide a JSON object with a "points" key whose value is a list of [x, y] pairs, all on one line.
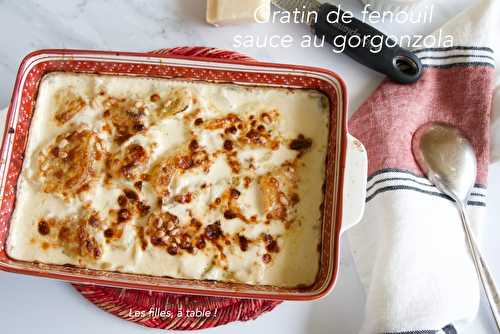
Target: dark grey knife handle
{"points": [[397, 63]]}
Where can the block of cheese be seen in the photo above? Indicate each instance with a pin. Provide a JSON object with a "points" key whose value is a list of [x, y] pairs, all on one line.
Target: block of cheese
{"points": [[222, 12]]}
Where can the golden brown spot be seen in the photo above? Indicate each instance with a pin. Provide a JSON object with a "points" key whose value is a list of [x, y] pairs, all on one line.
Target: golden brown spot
{"points": [[142, 238], [183, 199], [243, 243], [178, 101], [70, 166], [64, 233], [43, 227], [143, 208], [134, 158], [200, 243], [154, 98], [246, 181], [122, 201], [232, 129], [213, 231], [229, 214], [173, 249], [138, 185], [69, 105], [271, 244], [235, 194], [55, 151], [185, 162], [266, 258], [109, 233], [131, 195], [301, 143], [224, 122], [266, 117], [195, 223], [186, 243], [233, 163], [127, 116], [162, 174], [193, 145], [228, 145], [124, 215], [254, 136], [93, 220], [273, 192]]}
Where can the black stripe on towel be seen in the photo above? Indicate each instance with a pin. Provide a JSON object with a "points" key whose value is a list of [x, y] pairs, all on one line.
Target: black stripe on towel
{"points": [[399, 179], [479, 56], [457, 56], [420, 185], [389, 179], [432, 193], [450, 329], [404, 171], [458, 47], [445, 66]]}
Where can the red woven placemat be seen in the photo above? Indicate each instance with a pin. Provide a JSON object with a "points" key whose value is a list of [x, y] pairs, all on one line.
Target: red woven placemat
{"points": [[172, 311], [180, 312]]}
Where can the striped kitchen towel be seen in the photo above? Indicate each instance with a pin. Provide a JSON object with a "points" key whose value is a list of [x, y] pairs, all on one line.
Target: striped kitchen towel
{"points": [[410, 249]]}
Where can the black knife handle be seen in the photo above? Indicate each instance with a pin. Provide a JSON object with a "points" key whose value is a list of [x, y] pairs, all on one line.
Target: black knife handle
{"points": [[397, 63]]}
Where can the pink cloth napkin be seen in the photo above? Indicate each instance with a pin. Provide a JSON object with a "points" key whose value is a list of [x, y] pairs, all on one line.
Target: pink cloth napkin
{"points": [[410, 249]]}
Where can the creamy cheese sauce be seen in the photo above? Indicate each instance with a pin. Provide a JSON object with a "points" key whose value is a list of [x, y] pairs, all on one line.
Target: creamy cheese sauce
{"points": [[243, 202]]}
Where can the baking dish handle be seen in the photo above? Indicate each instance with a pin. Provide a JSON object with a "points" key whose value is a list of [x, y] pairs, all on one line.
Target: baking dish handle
{"points": [[355, 179]]}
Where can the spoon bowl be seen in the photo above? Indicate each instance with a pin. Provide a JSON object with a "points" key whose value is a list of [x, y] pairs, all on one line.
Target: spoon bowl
{"points": [[447, 157]]}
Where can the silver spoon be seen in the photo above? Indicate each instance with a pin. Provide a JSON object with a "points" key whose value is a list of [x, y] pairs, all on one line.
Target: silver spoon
{"points": [[448, 160]]}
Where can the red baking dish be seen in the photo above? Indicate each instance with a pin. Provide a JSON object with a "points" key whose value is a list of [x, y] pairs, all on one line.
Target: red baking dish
{"points": [[190, 68]]}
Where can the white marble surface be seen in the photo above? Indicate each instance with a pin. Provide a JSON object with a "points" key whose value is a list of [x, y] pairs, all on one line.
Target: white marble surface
{"points": [[30, 304]]}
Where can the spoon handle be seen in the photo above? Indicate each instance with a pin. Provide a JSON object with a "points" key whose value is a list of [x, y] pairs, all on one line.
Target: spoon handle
{"points": [[483, 272]]}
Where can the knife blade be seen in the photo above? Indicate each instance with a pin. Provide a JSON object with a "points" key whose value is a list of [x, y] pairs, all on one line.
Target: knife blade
{"points": [[399, 64]]}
